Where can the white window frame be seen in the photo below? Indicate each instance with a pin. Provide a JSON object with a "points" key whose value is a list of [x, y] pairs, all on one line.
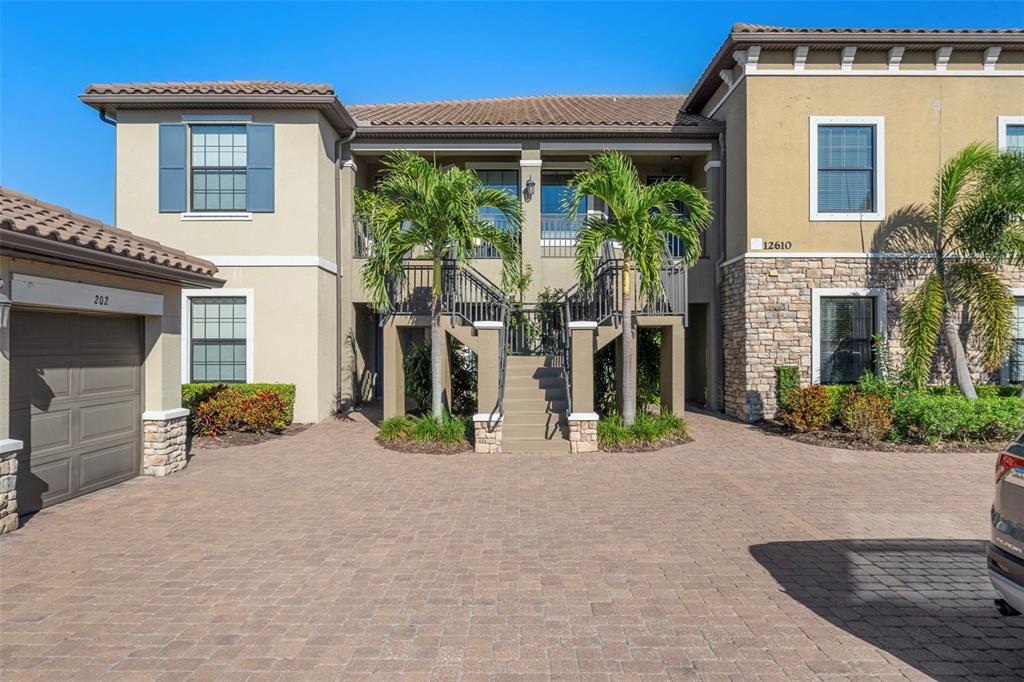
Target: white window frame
{"points": [[881, 322], [879, 189], [1005, 122], [1004, 369], [191, 215], [186, 328]]}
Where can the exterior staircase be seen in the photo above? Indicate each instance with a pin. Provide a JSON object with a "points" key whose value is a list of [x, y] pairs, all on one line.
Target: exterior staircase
{"points": [[535, 406]]}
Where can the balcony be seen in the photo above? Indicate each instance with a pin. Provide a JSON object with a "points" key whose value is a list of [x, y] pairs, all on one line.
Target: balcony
{"points": [[559, 232]]}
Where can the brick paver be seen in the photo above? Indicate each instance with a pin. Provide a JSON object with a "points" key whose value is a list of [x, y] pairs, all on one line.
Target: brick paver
{"points": [[322, 556]]}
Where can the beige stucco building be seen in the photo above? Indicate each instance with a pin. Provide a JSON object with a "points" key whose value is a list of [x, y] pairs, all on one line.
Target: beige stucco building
{"points": [[806, 142]]}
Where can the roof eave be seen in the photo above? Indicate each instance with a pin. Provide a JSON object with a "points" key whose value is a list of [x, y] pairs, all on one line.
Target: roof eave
{"points": [[332, 107], [708, 81], [534, 131], [18, 244]]}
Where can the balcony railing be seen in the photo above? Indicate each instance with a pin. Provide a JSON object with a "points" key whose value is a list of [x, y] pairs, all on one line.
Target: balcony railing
{"points": [[559, 233], [486, 249]]}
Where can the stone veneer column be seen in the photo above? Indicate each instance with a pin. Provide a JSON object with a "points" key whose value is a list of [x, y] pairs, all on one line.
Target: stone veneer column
{"points": [[582, 419], [9, 449], [163, 448], [487, 421]]}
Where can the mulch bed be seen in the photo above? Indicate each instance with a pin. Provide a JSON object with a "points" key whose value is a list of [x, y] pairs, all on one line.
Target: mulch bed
{"points": [[842, 440], [235, 439], [670, 442], [420, 447]]}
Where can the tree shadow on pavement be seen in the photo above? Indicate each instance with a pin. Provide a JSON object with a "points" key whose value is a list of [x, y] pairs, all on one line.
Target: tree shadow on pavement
{"points": [[926, 602]]}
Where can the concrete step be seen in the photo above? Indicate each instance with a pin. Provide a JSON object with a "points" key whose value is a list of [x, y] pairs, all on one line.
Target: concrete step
{"points": [[517, 432], [550, 382], [534, 392], [535, 414], [535, 446]]}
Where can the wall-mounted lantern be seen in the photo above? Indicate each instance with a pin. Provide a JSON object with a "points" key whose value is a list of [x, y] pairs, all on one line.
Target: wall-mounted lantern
{"points": [[528, 189]]}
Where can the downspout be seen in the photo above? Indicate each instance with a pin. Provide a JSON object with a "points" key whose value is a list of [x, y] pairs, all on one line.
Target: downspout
{"points": [[338, 327], [112, 122], [719, 349]]}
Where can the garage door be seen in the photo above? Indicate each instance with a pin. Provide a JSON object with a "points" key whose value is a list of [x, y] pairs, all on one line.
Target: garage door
{"points": [[76, 402]]}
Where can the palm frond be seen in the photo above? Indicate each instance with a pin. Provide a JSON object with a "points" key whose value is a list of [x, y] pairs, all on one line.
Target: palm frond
{"points": [[920, 324], [989, 305], [596, 231], [957, 179]]}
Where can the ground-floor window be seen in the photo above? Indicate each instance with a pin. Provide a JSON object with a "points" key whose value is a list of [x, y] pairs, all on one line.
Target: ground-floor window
{"points": [[217, 341], [1015, 363], [846, 327]]}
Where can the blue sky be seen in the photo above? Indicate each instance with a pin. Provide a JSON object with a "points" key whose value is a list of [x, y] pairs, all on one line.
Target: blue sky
{"points": [[53, 146]]}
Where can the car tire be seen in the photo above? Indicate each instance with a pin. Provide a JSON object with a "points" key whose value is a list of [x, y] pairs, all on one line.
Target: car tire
{"points": [[1005, 609]]}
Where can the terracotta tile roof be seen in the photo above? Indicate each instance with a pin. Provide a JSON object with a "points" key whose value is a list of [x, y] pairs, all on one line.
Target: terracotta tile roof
{"points": [[551, 110], [211, 88], [763, 28], [25, 214]]}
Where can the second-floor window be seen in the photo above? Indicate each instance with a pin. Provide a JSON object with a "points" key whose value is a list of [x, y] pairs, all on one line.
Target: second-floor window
{"points": [[846, 170], [1011, 133], [219, 158], [554, 192], [506, 180]]}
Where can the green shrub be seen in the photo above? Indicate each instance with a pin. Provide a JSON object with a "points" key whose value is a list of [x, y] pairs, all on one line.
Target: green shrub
{"points": [[924, 417], [811, 408], [259, 408], [983, 390], [648, 373], [194, 394], [866, 415], [396, 428], [447, 430], [836, 394], [647, 429], [787, 380]]}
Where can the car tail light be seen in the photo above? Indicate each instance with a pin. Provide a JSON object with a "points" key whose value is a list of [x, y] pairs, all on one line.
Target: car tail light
{"points": [[1006, 462]]}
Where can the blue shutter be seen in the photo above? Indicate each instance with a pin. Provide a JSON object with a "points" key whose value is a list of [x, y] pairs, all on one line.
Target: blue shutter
{"points": [[259, 172], [173, 193]]}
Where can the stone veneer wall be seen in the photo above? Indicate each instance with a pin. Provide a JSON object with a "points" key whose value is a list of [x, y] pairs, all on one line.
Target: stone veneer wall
{"points": [[163, 451], [766, 319], [8, 491], [487, 437], [582, 436]]}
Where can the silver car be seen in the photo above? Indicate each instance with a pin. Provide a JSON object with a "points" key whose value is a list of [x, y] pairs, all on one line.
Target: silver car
{"points": [[1006, 551]]}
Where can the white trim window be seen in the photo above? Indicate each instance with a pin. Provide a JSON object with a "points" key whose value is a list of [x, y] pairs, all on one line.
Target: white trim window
{"points": [[847, 167], [843, 323], [1012, 371], [1011, 133], [217, 336]]}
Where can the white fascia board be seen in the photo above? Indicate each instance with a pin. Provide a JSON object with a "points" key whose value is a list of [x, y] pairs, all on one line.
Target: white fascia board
{"points": [[598, 145], [273, 262]]}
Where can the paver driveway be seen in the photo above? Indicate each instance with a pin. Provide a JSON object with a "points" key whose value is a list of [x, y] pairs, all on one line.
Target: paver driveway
{"points": [[324, 556]]}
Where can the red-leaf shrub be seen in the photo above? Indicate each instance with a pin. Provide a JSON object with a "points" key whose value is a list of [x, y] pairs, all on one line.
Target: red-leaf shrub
{"points": [[260, 413], [210, 419], [808, 409], [866, 415]]}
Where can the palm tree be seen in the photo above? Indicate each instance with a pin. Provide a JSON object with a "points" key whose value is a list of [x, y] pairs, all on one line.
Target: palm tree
{"points": [[641, 218], [438, 212], [971, 227]]}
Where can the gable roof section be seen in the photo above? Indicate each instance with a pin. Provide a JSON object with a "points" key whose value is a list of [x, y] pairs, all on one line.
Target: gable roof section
{"points": [[109, 98], [549, 110], [22, 215], [781, 37]]}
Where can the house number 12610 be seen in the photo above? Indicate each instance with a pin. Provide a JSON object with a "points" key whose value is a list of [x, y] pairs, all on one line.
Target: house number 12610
{"points": [[100, 299], [778, 246]]}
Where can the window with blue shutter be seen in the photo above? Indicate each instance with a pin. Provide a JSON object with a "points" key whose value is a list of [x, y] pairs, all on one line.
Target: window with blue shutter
{"points": [[219, 161], [172, 191], [260, 168]]}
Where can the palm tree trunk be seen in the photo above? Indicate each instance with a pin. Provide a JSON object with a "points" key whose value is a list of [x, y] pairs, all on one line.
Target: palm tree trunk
{"points": [[954, 346], [958, 358], [437, 345], [628, 358]]}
